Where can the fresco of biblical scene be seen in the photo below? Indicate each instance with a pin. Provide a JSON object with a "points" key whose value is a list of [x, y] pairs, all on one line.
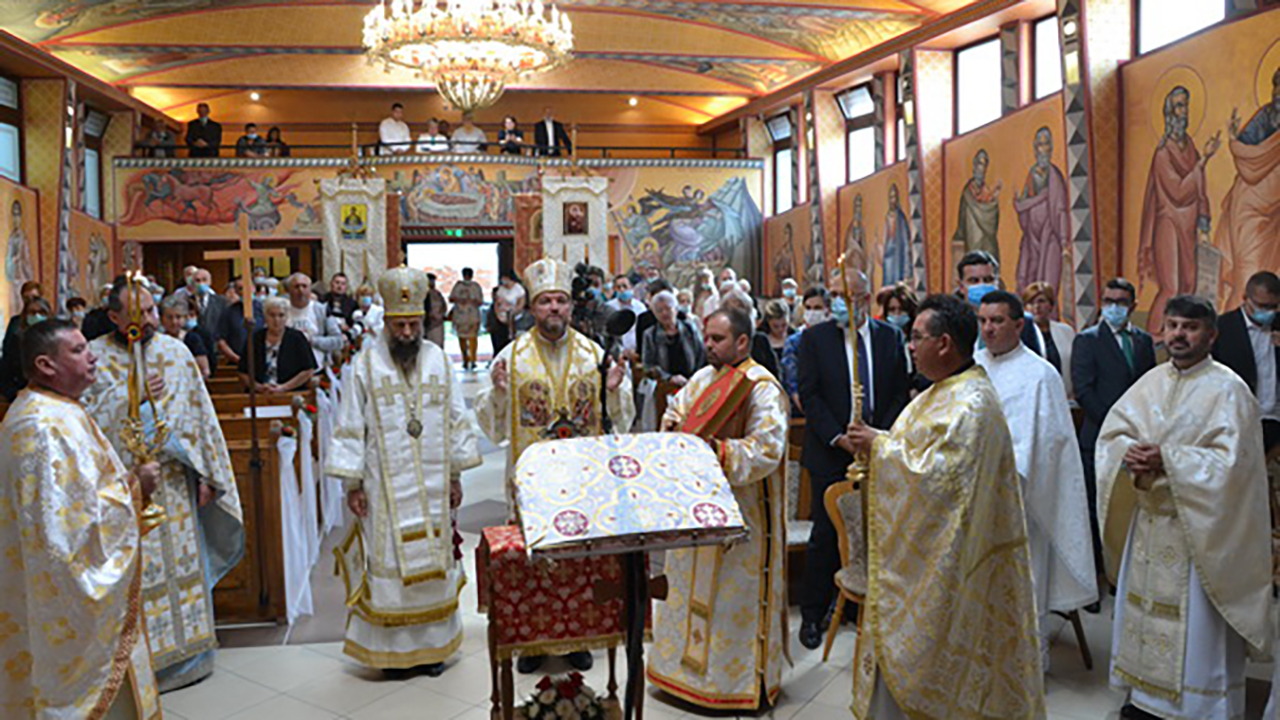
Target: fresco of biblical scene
{"points": [[90, 265], [788, 250], [180, 203], [685, 219], [1005, 193], [460, 195], [21, 245], [873, 227], [1201, 166]]}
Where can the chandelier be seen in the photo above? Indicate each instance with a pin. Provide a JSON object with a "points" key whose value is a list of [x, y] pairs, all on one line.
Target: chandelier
{"points": [[470, 49]]}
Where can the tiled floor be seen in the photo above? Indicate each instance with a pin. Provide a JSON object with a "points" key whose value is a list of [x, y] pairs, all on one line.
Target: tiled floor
{"points": [[259, 678]]}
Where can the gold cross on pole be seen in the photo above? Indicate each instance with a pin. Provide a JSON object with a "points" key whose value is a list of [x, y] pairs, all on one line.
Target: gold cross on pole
{"points": [[246, 255]]}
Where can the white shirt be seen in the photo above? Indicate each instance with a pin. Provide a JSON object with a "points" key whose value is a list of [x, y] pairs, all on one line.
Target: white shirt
{"points": [[551, 133], [468, 141], [391, 130], [1264, 356], [432, 143]]}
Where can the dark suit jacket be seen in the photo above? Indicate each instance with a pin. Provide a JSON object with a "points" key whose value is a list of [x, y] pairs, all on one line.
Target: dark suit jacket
{"points": [[826, 393], [551, 146], [1100, 374], [96, 324], [210, 132], [1234, 349], [295, 356]]}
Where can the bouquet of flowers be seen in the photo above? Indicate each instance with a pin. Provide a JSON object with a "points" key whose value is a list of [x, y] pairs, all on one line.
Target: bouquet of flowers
{"points": [[566, 698]]}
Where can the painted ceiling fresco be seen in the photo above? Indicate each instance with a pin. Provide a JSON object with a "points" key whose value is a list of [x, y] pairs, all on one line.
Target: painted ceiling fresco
{"points": [[753, 46]]}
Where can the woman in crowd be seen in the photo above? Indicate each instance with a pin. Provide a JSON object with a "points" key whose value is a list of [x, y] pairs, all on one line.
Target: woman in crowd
{"points": [[283, 361], [510, 137], [776, 326], [705, 297], [368, 314], [276, 146], [508, 302], [1041, 300], [815, 308], [898, 306], [672, 352], [77, 308], [12, 379], [177, 320]]}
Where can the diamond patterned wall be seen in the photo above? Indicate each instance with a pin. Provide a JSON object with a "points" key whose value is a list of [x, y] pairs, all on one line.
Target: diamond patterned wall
{"points": [[1108, 28], [43, 112], [829, 124], [934, 91]]}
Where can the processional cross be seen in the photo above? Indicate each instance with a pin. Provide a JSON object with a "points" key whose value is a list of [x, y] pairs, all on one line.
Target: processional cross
{"points": [[246, 255]]}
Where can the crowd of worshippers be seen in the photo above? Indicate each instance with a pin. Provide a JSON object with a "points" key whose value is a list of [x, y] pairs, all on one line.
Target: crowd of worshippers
{"points": [[1118, 475]]}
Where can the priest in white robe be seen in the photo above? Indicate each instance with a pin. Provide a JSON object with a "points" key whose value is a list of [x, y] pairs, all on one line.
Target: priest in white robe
{"points": [[1034, 401], [403, 436], [1182, 493], [202, 536], [72, 641]]}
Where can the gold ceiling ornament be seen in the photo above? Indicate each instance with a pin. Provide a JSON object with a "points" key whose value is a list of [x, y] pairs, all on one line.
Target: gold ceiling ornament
{"points": [[470, 49]]}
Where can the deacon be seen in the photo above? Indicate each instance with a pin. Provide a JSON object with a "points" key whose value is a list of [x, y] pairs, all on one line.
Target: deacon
{"points": [[556, 374], [72, 635], [403, 436], [950, 630], [202, 536], [720, 636], [1034, 400], [1182, 493]]}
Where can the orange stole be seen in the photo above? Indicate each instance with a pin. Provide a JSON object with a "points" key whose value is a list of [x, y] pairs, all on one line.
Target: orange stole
{"points": [[715, 415]]}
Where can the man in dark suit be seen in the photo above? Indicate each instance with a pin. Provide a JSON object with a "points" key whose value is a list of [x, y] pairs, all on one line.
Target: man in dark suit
{"points": [[979, 273], [1105, 360], [1246, 344], [204, 135], [549, 136], [826, 391]]}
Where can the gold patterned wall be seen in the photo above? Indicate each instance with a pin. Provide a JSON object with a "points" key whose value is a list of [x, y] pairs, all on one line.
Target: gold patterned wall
{"points": [[44, 113], [117, 142], [934, 91], [1108, 31], [832, 165]]}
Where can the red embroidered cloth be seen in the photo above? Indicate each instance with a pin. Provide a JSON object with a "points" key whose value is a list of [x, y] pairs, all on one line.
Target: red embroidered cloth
{"points": [[542, 608]]}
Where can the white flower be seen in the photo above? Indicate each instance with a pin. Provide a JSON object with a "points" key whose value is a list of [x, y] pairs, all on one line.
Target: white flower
{"points": [[564, 709], [547, 697], [583, 701]]}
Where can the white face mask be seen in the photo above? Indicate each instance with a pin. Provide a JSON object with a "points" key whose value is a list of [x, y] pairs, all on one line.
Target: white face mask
{"points": [[814, 317]]}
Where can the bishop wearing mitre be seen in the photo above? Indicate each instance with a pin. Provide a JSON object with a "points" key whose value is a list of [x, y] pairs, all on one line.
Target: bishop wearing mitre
{"points": [[72, 639], [403, 435], [202, 535], [1182, 499], [950, 631], [720, 636], [547, 385]]}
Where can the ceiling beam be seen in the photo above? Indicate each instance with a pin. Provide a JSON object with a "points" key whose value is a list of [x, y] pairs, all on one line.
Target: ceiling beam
{"points": [[791, 92]]}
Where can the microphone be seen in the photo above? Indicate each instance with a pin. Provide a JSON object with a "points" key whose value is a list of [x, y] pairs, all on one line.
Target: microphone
{"points": [[619, 322]]}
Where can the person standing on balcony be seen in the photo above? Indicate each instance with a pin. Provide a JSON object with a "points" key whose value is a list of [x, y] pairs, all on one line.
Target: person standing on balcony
{"points": [[204, 134], [393, 133]]}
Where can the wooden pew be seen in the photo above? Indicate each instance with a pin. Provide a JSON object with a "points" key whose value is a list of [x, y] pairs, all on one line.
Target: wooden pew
{"points": [[254, 590], [236, 404], [224, 385]]}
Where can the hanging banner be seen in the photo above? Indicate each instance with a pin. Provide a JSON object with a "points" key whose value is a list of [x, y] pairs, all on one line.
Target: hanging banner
{"points": [[354, 216]]}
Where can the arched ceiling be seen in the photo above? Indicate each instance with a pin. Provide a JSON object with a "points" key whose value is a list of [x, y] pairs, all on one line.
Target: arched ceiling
{"points": [[672, 48]]}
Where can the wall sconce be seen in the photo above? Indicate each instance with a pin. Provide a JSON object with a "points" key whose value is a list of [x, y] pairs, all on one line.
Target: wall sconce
{"points": [[909, 112], [1069, 29]]}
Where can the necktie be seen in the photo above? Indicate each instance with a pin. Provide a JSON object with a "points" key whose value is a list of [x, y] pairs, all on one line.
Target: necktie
{"points": [[1126, 344], [864, 379]]}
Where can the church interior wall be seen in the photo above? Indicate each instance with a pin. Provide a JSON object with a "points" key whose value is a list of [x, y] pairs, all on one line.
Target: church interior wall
{"points": [[21, 243], [866, 240], [788, 249], [92, 260]]}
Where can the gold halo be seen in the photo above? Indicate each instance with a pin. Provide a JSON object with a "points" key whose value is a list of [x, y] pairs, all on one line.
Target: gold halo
{"points": [[1187, 78], [1266, 70]]}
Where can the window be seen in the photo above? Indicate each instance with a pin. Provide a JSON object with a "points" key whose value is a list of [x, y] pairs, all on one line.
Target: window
{"points": [[902, 136], [977, 85], [92, 183], [1048, 57], [1161, 22], [859, 110], [10, 153], [781, 132]]}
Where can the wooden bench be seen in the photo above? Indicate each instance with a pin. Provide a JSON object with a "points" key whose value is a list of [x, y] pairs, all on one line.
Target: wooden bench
{"points": [[236, 404], [228, 384]]}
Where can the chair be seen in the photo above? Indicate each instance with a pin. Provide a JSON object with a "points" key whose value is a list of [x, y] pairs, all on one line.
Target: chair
{"points": [[843, 502]]}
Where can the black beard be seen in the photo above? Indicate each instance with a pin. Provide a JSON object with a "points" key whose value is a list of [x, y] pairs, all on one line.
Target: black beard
{"points": [[405, 353]]}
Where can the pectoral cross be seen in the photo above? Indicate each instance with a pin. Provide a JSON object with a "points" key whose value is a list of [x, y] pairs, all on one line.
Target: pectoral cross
{"points": [[246, 255]]}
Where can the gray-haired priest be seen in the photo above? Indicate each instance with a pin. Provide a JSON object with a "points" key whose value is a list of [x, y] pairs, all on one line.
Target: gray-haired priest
{"points": [[403, 436]]}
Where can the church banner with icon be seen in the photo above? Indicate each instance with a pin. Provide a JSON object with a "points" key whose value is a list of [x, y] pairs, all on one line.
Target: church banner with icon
{"points": [[353, 214], [873, 227], [573, 218], [21, 246], [91, 261], [1201, 165]]}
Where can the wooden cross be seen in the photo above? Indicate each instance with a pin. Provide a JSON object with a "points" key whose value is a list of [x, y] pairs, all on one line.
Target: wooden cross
{"points": [[246, 255]]}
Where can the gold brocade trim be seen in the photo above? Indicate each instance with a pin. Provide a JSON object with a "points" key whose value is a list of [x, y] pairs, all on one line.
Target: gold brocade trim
{"points": [[344, 473], [419, 534], [1150, 688], [564, 647], [424, 577], [426, 616], [703, 699], [1159, 609], [122, 660], [379, 659]]}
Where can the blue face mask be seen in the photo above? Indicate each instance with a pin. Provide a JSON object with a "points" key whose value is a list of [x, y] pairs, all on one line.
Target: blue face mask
{"points": [[608, 287], [366, 302], [204, 288], [900, 320], [597, 294], [158, 297], [191, 323], [36, 319], [624, 295], [789, 293], [1263, 317], [977, 292], [1115, 315], [840, 311]]}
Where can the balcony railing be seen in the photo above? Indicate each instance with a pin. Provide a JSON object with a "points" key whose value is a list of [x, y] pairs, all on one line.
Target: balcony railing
{"points": [[149, 150]]}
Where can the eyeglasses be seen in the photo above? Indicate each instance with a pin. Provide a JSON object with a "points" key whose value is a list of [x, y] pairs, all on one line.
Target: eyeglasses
{"points": [[917, 338]]}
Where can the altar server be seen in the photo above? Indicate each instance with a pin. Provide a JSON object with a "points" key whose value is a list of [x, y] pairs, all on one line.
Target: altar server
{"points": [[404, 434]]}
